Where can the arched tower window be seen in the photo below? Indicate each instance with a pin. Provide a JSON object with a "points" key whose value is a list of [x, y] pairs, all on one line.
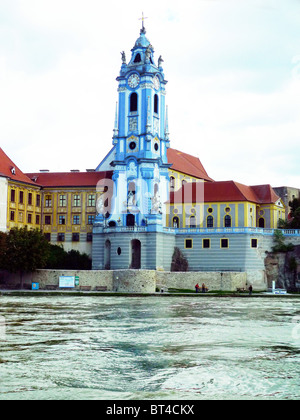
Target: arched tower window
{"points": [[156, 103], [261, 222], [137, 58], [133, 102]]}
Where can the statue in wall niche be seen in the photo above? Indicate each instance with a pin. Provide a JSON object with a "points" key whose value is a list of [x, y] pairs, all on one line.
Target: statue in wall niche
{"points": [[160, 60], [130, 198]]}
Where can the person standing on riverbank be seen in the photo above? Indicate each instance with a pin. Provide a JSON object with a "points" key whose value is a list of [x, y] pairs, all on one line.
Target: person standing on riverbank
{"points": [[250, 289], [197, 287]]}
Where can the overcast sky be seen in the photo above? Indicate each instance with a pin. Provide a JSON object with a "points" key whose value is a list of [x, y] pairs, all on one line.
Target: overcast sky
{"points": [[233, 92]]}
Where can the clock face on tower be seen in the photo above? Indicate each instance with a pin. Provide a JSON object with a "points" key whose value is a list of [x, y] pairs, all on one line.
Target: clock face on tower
{"points": [[156, 82], [133, 80]]}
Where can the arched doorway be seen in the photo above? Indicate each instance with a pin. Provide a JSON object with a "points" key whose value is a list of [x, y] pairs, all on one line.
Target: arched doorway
{"points": [[135, 254], [107, 251], [261, 222]]}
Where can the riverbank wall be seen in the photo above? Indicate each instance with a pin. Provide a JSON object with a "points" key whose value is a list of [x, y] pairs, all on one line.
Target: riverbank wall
{"points": [[137, 281]]}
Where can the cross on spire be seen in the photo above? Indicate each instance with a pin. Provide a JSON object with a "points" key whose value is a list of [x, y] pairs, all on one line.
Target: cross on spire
{"points": [[143, 19]]}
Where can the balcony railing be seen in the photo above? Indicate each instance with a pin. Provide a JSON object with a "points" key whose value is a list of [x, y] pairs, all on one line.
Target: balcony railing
{"points": [[118, 229], [252, 230], [203, 231]]}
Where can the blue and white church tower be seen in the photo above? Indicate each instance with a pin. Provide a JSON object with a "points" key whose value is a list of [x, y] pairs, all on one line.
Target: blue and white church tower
{"points": [[140, 138], [139, 157]]}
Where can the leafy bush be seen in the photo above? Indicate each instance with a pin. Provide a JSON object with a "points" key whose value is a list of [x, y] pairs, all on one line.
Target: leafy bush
{"points": [[280, 245]]}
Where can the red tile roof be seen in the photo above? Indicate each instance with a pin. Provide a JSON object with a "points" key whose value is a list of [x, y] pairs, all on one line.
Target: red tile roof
{"points": [[187, 164], [9, 170], [265, 193], [69, 179], [223, 191]]}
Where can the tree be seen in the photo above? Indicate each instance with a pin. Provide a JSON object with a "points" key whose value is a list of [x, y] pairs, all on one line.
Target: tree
{"points": [[26, 250], [179, 262], [56, 258], [293, 221], [280, 245], [3, 237], [78, 261], [71, 260], [295, 214]]}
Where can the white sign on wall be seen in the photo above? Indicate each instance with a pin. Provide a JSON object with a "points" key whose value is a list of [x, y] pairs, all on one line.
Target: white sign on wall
{"points": [[67, 281]]}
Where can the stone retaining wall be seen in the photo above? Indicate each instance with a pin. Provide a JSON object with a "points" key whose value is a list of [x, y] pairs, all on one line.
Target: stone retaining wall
{"points": [[229, 281], [139, 281]]}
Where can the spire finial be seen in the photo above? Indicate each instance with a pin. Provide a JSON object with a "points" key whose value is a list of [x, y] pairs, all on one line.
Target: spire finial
{"points": [[143, 30]]}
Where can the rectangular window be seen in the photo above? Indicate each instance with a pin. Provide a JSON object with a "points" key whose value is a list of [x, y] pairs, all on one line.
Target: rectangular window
{"points": [[224, 243], [21, 197], [62, 220], [13, 196], [205, 243], [188, 243], [75, 237], [62, 201], [253, 243], [91, 200], [91, 219], [12, 216], [29, 199], [76, 200], [47, 220], [60, 237], [89, 237], [48, 201], [38, 200], [29, 218], [37, 219], [76, 220]]}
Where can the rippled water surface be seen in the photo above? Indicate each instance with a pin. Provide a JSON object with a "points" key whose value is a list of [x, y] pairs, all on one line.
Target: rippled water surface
{"points": [[63, 347]]}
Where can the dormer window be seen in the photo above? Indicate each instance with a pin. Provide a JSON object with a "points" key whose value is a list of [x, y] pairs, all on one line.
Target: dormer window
{"points": [[13, 170]]}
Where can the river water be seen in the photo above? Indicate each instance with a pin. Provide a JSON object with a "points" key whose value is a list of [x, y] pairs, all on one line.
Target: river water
{"points": [[152, 348]]}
